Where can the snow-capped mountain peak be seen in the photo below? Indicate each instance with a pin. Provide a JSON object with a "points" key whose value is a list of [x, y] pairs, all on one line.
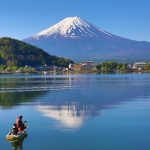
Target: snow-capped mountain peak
{"points": [[80, 40], [72, 27]]}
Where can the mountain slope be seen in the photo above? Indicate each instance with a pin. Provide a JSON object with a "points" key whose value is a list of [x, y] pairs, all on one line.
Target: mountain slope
{"points": [[78, 39], [15, 52]]}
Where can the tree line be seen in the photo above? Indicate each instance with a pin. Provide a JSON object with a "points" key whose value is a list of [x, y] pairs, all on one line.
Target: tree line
{"points": [[107, 67]]}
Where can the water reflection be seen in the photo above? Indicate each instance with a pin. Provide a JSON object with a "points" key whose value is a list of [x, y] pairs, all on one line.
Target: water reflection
{"points": [[18, 145], [72, 100], [32, 84], [8, 100], [18, 90], [72, 108], [58, 106], [70, 116]]}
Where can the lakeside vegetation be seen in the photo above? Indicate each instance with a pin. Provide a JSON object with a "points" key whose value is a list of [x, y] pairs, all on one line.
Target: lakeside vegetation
{"points": [[113, 67], [105, 67], [19, 57], [16, 69]]}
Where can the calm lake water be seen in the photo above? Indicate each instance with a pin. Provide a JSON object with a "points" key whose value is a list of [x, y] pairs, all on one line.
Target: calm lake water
{"points": [[80, 112]]}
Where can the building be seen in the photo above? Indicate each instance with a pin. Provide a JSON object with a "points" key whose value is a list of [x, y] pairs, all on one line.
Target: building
{"points": [[71, 67], [139, 65], [88, 65], [43, 68], [77, 67]]}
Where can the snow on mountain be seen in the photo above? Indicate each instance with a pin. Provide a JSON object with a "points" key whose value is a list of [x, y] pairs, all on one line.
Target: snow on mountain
{"points": [[80, 40], [73, 27]]}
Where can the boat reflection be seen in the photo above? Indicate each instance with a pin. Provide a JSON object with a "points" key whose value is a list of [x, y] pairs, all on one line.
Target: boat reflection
{"points": [[18, 145]]}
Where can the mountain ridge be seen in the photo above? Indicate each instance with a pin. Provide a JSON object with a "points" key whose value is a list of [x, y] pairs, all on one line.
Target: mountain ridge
{"points": [[17, 53]]}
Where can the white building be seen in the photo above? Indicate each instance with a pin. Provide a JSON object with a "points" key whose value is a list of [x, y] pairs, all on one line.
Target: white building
{"points": [[139, 65], [71, 66]]}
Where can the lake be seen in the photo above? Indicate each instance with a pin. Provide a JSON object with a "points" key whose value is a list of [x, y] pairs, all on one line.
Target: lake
{"points": [[77, 112]]}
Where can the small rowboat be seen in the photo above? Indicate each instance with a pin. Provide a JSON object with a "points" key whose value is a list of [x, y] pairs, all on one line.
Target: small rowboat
{"points": [[20, 135]]}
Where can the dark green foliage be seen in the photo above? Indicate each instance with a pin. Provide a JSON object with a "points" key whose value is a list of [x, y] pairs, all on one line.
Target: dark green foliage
{"points": [[147, 66], [11, 99], [112, 67], [17, 53]]}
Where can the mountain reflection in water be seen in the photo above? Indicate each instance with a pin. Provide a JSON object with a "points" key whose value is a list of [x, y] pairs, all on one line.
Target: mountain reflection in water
{"points": [[77, 112], [71, 108], [69, 116], [77, 97]]}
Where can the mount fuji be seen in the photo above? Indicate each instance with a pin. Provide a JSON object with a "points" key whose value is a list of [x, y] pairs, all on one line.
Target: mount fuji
{"points": [[79, 40]]}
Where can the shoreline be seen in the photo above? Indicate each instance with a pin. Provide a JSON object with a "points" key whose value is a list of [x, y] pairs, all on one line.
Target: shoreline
{"points": [[70, 73]]}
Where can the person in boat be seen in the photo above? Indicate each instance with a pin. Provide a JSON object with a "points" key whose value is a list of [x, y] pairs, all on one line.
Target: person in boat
{"points": [[20, 124], [15, 129]]}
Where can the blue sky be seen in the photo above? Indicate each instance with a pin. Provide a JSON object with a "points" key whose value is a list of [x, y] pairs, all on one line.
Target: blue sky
{"points": [[127, 18]]}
